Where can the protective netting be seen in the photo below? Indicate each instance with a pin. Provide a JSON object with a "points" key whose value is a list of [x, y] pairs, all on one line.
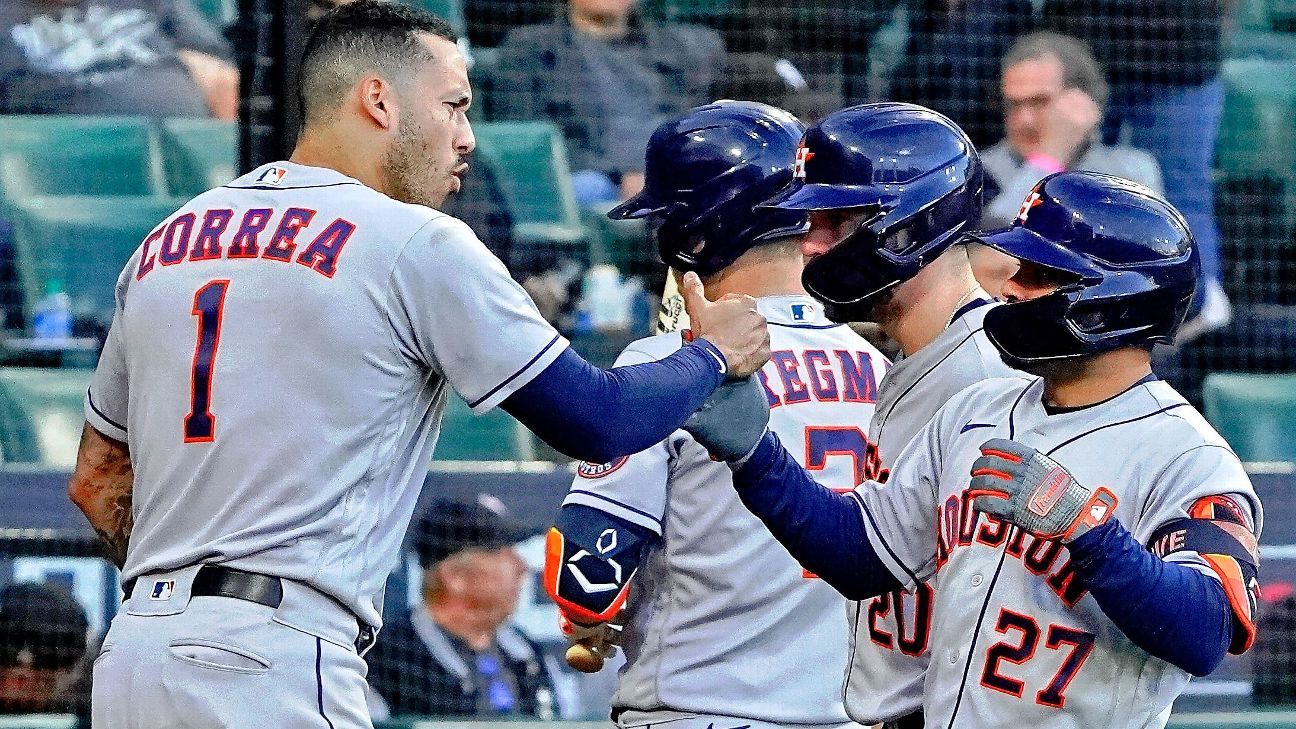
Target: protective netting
{"points": [[114, 112]]}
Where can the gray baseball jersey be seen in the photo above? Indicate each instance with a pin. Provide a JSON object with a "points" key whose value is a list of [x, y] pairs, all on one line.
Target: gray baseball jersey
{"points": [[720, 619], [1015, 640], [889, 634], [278, 365]]}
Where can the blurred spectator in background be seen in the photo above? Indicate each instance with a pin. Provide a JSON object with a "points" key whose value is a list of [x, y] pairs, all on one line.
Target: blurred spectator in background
{"points": [[1162, 60], [776, 81], [1053, 98], [1053, 95], [606, 77], [488, 21], [951, 59], [456, 654], [42, 638], [823, 37], [148, 57]]}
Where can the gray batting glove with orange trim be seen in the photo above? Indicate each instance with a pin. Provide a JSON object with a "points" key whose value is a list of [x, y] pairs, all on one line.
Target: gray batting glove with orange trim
{"points": [[1025, 487]]}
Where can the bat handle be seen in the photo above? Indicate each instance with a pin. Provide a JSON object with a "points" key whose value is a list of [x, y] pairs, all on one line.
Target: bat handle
{"points": [[586, 657]]}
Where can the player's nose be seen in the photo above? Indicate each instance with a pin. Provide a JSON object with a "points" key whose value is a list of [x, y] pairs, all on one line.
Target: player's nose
{"points": [[816, 243], [1011, 291], [466, 141]]}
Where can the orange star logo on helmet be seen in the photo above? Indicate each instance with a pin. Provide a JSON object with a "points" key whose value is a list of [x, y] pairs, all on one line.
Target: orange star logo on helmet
{"points": [[1031, 201], [803, 155]]}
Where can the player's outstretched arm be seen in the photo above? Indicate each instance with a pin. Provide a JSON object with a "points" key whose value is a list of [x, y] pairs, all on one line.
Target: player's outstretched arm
{"points": [[821, 529], [598, 415], [102, 486]]}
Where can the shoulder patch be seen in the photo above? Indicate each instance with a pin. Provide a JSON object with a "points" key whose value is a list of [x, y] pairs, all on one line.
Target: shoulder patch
{"points": [[599, 470]]}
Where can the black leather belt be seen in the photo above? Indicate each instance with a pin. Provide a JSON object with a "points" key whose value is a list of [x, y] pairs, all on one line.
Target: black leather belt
{"points": [[214, 580], [910, 721]]}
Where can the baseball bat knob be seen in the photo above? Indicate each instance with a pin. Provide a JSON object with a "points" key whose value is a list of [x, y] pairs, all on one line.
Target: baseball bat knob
{"points": [[585, 658]]}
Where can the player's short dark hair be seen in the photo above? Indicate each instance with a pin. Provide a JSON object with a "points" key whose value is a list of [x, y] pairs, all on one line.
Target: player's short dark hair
{"points": [[362, 37], [1080, 70]]}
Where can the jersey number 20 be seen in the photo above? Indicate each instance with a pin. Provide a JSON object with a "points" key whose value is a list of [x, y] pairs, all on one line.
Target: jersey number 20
{"points": [[208, 306]]}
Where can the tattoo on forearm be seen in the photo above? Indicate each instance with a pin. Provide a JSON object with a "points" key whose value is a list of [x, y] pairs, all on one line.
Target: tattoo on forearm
{"points": [[117, 528], [102, 487]]}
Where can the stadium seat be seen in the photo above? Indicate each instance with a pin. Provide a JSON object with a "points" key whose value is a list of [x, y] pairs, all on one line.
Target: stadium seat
{"points": [[220, 12], [1256, 414], [621, 243], [83, 242], [1252, 15], [199, 154], [1283, 15], [1256, 151], [1264, 45], [41, 414], [694, 11], [530, 161], [77, 155], [1258, 130], [495, 436]]}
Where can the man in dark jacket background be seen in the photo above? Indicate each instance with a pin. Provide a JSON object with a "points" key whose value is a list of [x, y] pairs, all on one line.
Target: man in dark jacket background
{"points": [[607, 78], [457, 654]]}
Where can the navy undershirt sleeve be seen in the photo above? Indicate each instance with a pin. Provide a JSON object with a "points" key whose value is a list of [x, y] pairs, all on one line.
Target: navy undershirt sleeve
{"points": [[1169, 610], [597, 415], [822, 529]]}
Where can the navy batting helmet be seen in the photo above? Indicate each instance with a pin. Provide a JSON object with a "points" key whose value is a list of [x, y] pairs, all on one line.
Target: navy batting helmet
{"points": [[705, 173], [1128, 254], [915, 173]]}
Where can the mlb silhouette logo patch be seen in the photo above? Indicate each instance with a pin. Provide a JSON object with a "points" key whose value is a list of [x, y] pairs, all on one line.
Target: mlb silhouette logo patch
{"points": [[802, 312], [272, 176], [162, 590]]}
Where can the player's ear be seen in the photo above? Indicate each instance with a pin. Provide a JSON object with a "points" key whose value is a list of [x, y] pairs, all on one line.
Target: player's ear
{"points": [[377, 100]]}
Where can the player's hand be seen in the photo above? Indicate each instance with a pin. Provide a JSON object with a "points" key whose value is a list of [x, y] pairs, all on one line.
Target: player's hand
{"points": [[1069, 121], [591, 643], [731, 422], [732, 324], [1025, 487]]}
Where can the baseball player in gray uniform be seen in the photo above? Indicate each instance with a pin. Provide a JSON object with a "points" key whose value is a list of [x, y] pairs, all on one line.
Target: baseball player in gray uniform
{"points": [[722, 627], [271, 389], [923, 295], [1095, 539]]}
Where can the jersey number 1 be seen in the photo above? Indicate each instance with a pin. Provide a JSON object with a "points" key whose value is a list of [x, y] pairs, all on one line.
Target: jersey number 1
{"points": [[209, 307]]}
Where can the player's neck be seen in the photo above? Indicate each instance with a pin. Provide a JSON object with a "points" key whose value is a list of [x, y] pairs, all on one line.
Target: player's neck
{"points": [[1094, 379], [464, 624], [922, 307], [322, 148], [770, 270]]}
